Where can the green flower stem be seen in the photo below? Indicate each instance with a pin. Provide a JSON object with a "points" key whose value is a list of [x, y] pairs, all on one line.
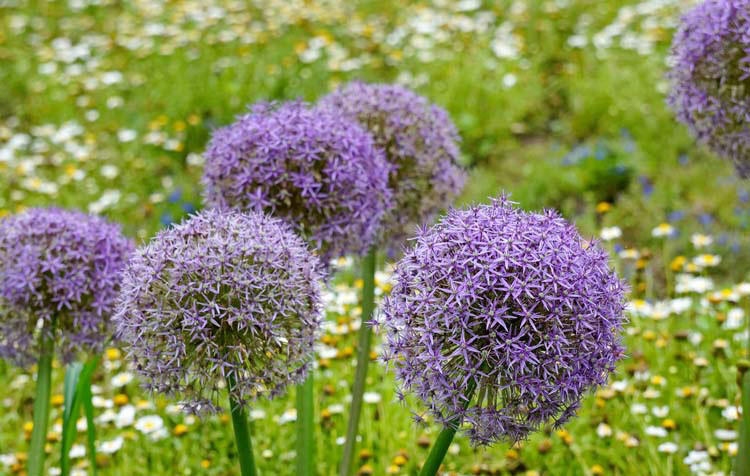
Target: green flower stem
{"points": [[444, 439], [241, 433], [363, 358], [305, 427], [41, 399]]}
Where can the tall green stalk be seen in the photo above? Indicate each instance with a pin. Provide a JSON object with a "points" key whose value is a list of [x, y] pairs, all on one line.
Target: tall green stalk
{"points": [[41, 399], [305, 427], [363, 358], [241, 433], [444, 439]]}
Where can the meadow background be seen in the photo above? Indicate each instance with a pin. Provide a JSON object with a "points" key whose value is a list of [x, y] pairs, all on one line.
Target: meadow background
{"points": [[106, 106]]}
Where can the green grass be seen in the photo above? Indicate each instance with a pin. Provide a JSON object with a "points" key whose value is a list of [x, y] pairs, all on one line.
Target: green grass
{"points": [[197, 76]]}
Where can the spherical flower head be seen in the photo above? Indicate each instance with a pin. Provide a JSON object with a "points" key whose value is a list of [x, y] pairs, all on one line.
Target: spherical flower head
{"points": [[224, 294], [59, 267], [513, 303], [711, 77], [420, 142], [312, 167]]}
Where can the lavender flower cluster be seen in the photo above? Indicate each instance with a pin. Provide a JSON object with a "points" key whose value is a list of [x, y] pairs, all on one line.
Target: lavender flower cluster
{"points": [[311, 167], [711, 77], [420, 142], [513, 303], [222, 294], [63, 268]]}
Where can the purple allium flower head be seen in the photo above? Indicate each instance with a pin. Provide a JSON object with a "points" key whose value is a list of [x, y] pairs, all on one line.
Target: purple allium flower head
{"points": [[711, 77], [312, 167], [221, 293], [516, 303], [420, 142], [62, 265]]}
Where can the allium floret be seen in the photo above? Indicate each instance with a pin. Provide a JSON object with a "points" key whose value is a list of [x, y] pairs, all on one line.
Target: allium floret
{"points": [[312, 167], [515, 303], [420, 142], [711, 77], [222, 294], [58, 266]]}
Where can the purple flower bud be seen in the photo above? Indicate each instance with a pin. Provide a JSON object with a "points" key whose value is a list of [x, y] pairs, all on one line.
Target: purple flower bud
{"points": [[222, 293], [58, 264], [311, 167], [420, 142], [517, 303], [711, 77]]}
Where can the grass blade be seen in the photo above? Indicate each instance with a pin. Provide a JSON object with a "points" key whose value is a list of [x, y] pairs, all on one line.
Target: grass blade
{"points": [[71, 408], [84, 390]]}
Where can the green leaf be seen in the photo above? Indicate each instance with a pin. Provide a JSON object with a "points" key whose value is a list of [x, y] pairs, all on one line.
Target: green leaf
{"points": [[77, 392], [84, 390], [70, 414]]}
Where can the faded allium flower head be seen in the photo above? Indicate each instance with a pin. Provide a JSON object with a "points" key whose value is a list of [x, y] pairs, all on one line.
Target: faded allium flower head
{"points": [[223, 293], [311, 167], [711, 77], [62, 266], [420, 142], [512, 302]]}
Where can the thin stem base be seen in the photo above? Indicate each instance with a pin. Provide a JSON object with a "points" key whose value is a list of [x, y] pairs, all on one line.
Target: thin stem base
{"points": [[305, 427], [241, 432], [444, 439], [42, 400]]}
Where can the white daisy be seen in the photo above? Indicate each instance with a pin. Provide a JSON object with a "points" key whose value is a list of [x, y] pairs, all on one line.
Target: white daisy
{"points": [[149, 424], [111, 446], [610, 233]]}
